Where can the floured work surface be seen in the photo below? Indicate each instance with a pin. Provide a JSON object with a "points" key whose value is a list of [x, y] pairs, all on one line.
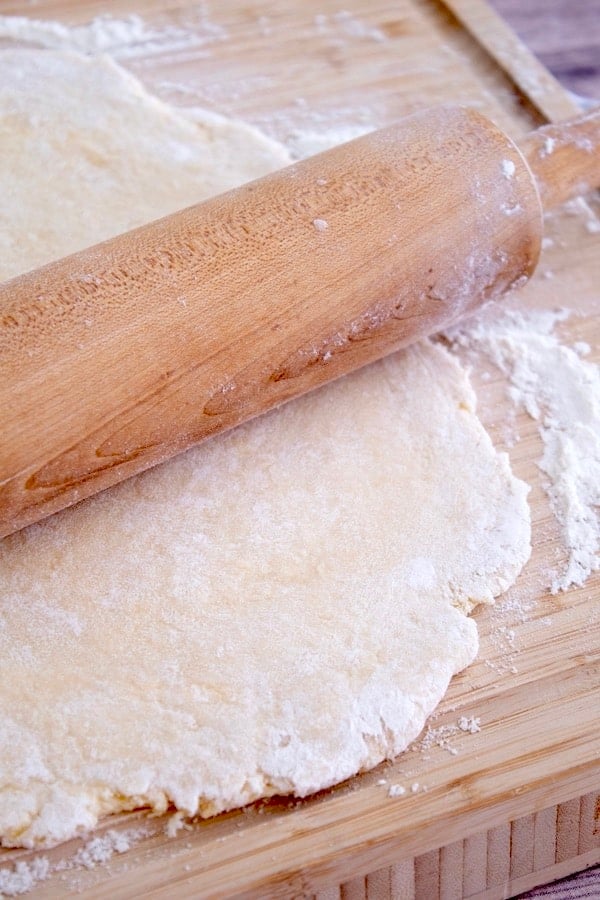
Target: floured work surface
{"points": [[537, 742]]}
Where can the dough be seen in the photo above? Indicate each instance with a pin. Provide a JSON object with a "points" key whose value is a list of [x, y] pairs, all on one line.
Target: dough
{"points": [[88, 153], [271, 612]]}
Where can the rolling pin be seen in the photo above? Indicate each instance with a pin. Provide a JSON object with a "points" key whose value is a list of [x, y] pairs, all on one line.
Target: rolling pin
{"points": [[124, 354]]}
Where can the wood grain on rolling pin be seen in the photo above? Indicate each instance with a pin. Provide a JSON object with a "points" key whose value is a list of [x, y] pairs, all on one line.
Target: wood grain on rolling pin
{"points": [[122, 355]]}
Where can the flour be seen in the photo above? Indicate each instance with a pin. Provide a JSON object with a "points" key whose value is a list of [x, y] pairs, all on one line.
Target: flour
{"points": [[321, 134], [396, 790], [505, 617], [508, 168], [437, 737], [579, 207], [122, 38], [443, 735], [131, 37], [343, 24], [23, 877], [560, 391], [306, 131], [470, 724], [548, 147], [101, 849]]}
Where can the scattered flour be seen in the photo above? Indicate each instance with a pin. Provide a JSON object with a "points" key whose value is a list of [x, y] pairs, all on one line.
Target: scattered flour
{"points": [[561, 391], [396, 790], [579, 207], [512, 607], [23, 877], [100, 849], [317, 137], [437, 737], [122, 38], [548, 148], [508, 168], [505, 617], [470, 724], [442, 735], [175, 824]]}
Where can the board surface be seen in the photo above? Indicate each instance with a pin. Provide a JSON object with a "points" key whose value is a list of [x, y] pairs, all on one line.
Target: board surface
{"points": [[304, 68]]}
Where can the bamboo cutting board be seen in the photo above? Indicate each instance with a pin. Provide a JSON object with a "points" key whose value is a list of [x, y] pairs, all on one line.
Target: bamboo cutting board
{"points": [[309, 66]]}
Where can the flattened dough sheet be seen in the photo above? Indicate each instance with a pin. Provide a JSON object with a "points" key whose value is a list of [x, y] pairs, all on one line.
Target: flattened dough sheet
{"points": [[271, 612]]}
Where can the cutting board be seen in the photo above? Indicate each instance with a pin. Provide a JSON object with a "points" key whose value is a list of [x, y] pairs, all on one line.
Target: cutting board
{"points": [[485, 814]]}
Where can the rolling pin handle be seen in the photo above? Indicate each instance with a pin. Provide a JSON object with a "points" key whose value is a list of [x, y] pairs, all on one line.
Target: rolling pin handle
{"points": [[565, 158]]}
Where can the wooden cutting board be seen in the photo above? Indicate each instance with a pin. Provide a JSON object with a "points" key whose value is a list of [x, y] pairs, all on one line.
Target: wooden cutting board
{"points": [[504, 803]]}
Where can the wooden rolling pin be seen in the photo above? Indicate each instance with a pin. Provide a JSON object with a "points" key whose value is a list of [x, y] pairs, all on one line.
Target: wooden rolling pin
{"points": [[120, 356]]}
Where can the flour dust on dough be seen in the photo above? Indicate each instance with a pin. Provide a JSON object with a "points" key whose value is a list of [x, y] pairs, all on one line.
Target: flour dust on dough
{"points": [[88, 153], [270, 613]]}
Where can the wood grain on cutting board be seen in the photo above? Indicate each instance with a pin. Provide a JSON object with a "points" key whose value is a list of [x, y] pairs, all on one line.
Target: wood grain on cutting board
{"points": [[293, 67]]}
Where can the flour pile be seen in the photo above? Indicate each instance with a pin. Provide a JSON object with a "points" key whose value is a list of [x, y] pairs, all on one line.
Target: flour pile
{"points": [[558, 388]]}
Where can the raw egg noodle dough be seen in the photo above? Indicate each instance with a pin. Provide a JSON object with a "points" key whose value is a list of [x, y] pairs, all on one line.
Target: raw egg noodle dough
{"points": [[271, 612]]}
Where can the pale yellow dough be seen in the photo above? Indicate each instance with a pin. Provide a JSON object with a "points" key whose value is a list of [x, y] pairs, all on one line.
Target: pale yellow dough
{"points": [[271, 612]]}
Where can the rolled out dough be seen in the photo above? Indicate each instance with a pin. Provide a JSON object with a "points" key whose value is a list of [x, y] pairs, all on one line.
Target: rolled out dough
{"points": [[270, 613]]}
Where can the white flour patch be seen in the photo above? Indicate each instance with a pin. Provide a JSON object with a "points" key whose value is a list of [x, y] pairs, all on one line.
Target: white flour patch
{"points": [[396, 790], [98, 851], [101, 849], [315, 138], [548, 148], [470, 724], [508, 168], [561, 391], [122, 38], [23, 877]]}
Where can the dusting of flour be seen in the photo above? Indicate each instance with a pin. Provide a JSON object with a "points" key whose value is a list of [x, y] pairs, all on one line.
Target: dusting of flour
{"points": [[560, 390], [23, 877], [123, 38], [99, 850]]}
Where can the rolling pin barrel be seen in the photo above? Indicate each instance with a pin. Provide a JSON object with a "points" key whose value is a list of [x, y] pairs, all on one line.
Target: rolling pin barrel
{"points": [[120, 356]]}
